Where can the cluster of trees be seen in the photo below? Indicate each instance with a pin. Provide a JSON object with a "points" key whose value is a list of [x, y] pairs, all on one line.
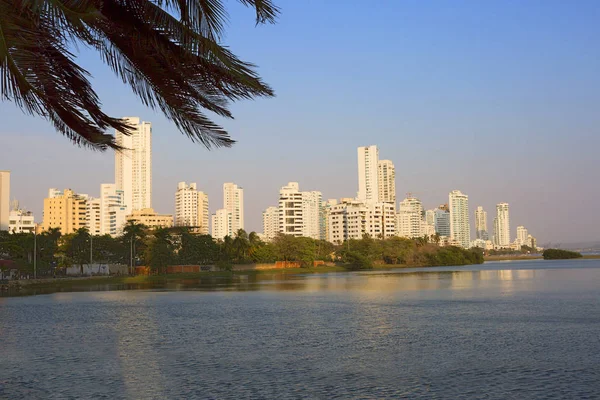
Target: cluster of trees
{"points": [[160, 248], [558, 254]]}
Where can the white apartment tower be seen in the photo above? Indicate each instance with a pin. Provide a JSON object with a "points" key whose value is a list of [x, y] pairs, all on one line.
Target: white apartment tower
{"points": [[233, 202], [410, 218], [351, 219], [93, 215], [460, 230], [386, 175], [522, 236], [481, 230], [221, 224], [4, 199], [270, 220], [113, 211], [502, 226], [300, 213], [368, 164], [133, 165], [191, 207]]}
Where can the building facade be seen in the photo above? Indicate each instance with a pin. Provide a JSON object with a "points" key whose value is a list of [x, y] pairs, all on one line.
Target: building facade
{"points": [[442, 222], [270, 221], [351, 219], [502, 226], [133, 165], [65, 210], [300, 213], [522, 235], [4, 199], [368, 180], [481, 230], [151, 219], [233, 202], [386, 175], [113, 211], [92, 216], [20, 221], [191, 208], [221, 224], [460, 230], [410, 218]]}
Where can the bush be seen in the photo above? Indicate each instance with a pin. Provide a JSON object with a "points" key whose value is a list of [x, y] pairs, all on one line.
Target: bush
{"points": [[356, 261], [558, 254]]}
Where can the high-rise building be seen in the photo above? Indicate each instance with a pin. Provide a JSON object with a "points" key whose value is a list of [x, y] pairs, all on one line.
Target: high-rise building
{"points": [[502, 226], [351, 219], [481, 230], [4, 199], [151, 219], [327, 205], [221, 224], [133, 164], [191, 208], [113, 211], [368, 181], [300, 213], [92, 216], [233, 202], [522, 236], [442, 222], [460, 230], [270, 220], [386, 181], [65, 210], [410, 218]]}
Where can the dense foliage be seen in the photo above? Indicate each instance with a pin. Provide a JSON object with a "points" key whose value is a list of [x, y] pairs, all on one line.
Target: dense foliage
{"points": [[558, 254], [157, 249]]}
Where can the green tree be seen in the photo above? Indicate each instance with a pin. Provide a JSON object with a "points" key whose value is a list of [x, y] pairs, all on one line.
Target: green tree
{"points": [[76, 247], [169, 52], [160, 251]]}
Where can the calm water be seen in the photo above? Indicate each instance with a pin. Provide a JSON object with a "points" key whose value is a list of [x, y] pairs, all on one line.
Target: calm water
{"points": [[510, 330]]}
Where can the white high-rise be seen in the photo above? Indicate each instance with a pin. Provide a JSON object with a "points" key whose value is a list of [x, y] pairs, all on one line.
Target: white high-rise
{"points": [[133, 165], [351, 219], [221, 224], [368, 180], [460, 230], [191, 207], [270, 219], [442, 222], [300, 213], [4, 199], [410, 218], [93, 215], [233, 202], [386, 175], [481, 230], [522, 236], [113, 211], [502, 226]]}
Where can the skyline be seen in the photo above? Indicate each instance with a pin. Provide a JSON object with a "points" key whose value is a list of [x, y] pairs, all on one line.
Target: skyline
{"points": [[506, 116]]}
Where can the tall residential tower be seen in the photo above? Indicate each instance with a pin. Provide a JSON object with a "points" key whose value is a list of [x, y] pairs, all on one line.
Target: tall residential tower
{"points": [[4, 199], [481, 230], [368, 164], [460, 230], [191, 208], [502, 226], [386, 174]]}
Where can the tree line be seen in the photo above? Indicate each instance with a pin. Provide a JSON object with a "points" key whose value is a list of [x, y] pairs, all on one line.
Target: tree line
{"points": [[159, 248]]}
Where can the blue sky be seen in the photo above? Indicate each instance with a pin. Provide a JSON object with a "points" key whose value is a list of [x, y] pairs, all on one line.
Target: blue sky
{"points": [[498, 99]]}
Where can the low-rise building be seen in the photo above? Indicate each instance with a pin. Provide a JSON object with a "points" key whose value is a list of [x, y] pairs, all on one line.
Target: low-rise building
{"points": [[150, 218], [65, 210], [351, 219], [20, 221]]}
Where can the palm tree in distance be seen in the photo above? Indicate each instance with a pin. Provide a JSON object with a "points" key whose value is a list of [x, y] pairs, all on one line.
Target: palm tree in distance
{"points": [[167, 51]]}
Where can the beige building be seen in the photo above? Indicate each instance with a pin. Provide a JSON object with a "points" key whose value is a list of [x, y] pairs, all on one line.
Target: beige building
{"points": [[191, 208], [386, 174], [4, 199], [65, 210], [151, 219]]}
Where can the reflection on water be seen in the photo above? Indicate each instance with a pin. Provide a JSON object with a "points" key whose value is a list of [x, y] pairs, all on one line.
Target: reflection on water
{"points": [[494, 332]]}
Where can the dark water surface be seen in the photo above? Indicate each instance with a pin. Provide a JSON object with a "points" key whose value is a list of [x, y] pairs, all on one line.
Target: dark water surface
{"points": [[505, 330]]}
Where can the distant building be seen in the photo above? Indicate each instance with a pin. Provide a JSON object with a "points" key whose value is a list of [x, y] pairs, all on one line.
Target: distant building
{"points": [[233, 202], [93, 215], [65, 210], [270, 219], [502, 226], [151, 219], [460, 230], [481, 230], [133, 164], [368, 180], [442, 222], [351, 219], [20, 221], [113, 211], [191, 208], [221, 224], [410, 218], [522, 235], [4, 199], [386, 175], [300, 213]]}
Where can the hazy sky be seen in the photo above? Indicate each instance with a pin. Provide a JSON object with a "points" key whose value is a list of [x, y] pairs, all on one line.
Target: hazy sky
{"points": [[496, 98]]}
